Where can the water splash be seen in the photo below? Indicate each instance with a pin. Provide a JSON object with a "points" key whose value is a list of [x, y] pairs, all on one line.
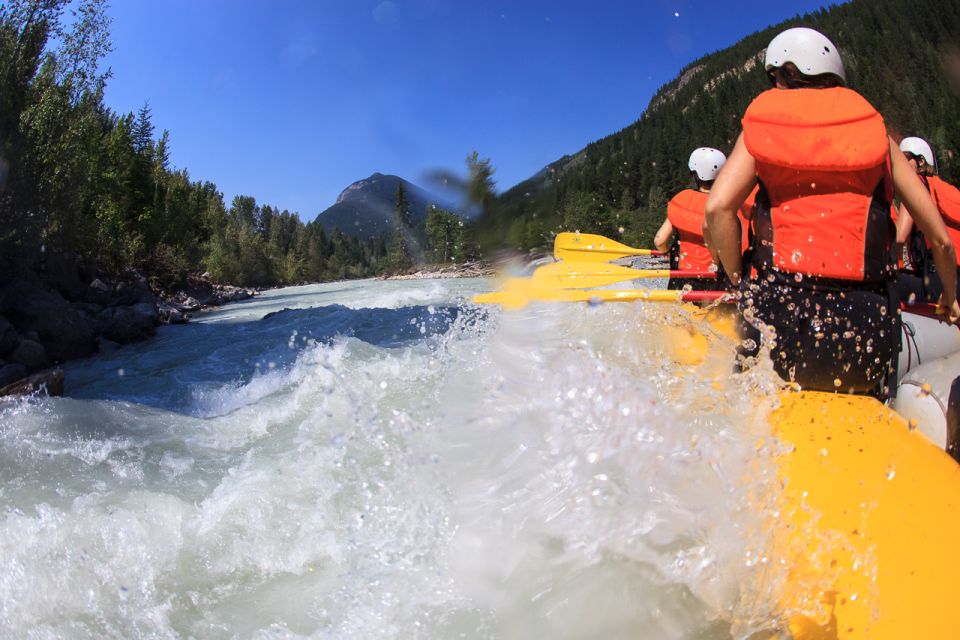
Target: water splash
{"points": [[556, 472]]}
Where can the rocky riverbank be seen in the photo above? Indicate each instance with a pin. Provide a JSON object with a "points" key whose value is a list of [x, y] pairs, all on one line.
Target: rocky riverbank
{"points": [[62, 311], [466, 270]]}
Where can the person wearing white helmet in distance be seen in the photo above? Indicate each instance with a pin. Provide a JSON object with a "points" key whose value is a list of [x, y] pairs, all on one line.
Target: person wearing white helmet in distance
{"points": [[685, 219], [919, 279], [820, 273]]}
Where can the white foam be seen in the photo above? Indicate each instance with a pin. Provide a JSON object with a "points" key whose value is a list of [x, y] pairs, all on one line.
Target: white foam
{"points": [[540, 474]]}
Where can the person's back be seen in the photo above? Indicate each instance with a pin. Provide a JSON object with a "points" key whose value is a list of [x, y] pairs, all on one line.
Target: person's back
{"points": [[685, 215], [919, 279], [822, 211], [820, 272], [823, 236]]}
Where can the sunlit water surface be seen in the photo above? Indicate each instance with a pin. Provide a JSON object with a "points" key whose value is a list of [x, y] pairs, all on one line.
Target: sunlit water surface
{"points": [[385, 460]]}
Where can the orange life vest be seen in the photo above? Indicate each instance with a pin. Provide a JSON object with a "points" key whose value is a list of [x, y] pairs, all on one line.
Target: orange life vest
{"points": [[685, 211], [822, 160], [947, 198], [746, 220]]}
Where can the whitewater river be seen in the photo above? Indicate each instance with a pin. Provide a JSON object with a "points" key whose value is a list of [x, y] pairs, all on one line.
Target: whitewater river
{"points": [[383, 459]]}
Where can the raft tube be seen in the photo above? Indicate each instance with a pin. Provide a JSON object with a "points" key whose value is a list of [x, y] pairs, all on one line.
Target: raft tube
{"points": [[863, 520], [868, 523], [924, 339], [924, 394]]}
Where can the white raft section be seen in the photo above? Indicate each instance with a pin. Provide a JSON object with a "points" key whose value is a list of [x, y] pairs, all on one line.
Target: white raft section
{"points": [[929, 362]]}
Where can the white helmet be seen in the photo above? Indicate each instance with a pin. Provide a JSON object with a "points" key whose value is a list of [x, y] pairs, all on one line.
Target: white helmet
{"points": [[918, 147], [811, 51], [706, 163]]}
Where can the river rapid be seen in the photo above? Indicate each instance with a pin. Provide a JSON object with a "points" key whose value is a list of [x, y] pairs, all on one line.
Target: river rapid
{"points": [[383, 459]]}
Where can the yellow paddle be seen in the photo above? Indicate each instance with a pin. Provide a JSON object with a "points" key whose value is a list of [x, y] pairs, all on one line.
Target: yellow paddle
{"points": [[589, 247], [583, 275], [518, 293]]}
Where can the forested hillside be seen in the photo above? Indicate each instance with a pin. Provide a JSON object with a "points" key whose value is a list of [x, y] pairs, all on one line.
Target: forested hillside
{"points": [[78, 178], [903, 55]]}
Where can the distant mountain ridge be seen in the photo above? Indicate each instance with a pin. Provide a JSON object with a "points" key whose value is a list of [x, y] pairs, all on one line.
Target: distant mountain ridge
{"points": [[366, 208], [902, 55]]}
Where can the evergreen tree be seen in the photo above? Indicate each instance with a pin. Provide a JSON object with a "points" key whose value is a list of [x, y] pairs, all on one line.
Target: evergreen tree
{"points": [[899, 54], [402, 241], [444, 230]]}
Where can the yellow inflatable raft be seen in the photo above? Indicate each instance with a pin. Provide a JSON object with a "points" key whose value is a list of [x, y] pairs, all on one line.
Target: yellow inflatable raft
{"points": [[871, 520], [867, 515], [866, 520]]}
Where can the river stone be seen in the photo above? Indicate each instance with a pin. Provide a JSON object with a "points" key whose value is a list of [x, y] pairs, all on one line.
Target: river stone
{"points": [[30, 354], [50, 380], [142, 287], [64, 332], [169, 314], [63, 272], [99, 293], [127, 324], [125, 294], [8, 336], [12, 372]]}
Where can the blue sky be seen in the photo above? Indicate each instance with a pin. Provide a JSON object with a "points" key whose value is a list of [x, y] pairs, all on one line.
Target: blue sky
{"points": [[290, 101]]}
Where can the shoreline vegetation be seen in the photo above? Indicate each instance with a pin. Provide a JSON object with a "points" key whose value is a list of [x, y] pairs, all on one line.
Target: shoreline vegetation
{"points": [[101, 237], [68, 312], [474, 269]]}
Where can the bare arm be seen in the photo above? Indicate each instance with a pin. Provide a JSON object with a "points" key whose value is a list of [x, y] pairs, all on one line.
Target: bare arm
{"points": [[708, 242], [662, 239], [927, 218], [737, 178], [904, 224]]}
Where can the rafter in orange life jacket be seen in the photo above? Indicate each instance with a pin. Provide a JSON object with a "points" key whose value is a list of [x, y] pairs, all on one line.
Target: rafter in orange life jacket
{"points": [[685, 211], [947, 198], [823, 208]]}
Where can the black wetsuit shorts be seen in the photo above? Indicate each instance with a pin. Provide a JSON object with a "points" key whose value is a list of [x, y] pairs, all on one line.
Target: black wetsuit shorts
{"points": [[827, 335]]}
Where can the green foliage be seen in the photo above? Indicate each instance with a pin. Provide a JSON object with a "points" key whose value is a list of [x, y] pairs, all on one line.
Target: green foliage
{"points": [[402, 243], [588, 213], [481, 187], [902, 55], [76, 177], [444, 230]]}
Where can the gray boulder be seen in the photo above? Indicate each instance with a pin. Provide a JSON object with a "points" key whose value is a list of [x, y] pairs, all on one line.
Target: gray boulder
{"points": [[99, 292], [12, 372], [127, 324], [62, 272], [30, 354], [125, 294], [64, 332], [139, 284], [170, 314], [8, 336], [50, 381]]}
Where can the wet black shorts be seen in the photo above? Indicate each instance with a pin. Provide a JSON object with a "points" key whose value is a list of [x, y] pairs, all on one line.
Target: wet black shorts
{"points": [[827, 338]]}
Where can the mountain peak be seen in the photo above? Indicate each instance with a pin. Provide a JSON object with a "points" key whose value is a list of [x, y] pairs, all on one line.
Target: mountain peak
{"points": [[358, 187], [365, 209]]}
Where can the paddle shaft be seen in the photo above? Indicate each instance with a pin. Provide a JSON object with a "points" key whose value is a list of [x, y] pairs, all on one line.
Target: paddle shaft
{"points": [[587, 275]]}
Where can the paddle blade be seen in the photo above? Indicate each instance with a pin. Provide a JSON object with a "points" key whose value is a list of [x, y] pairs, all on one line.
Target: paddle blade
{"points": [[590, 247]]}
